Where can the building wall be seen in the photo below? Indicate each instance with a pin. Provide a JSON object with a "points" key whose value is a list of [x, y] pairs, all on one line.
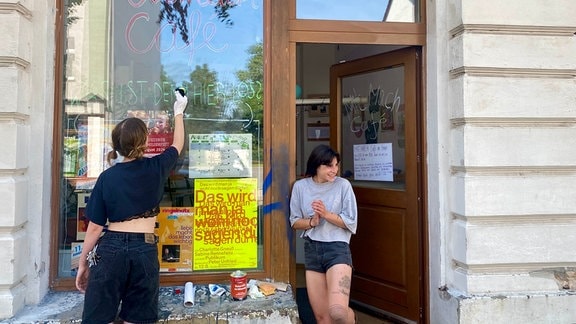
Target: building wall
{"points": [[501, 107], [26, 115]]}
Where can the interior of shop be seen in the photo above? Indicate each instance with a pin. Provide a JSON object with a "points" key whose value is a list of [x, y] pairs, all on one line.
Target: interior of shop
{"points": [[313, 122], [313, 62]]}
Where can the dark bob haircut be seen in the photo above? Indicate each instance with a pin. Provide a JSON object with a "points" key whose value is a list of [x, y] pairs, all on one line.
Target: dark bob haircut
{"points": [[321, 155]]}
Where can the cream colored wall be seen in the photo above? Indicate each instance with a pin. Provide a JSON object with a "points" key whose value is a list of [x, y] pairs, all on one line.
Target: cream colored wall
{"points": [[27, 90], [501, 115]]}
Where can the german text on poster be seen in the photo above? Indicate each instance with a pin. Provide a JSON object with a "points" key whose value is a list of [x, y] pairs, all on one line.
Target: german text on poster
{"points": [[225, 224], [175, 232]]}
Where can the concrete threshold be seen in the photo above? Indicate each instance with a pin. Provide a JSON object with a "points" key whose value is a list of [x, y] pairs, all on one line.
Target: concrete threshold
{"points": [[281, 307]]}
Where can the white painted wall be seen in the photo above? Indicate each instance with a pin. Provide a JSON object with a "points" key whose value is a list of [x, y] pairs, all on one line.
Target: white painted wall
{"points": [[26, 116], [443, 305], [501, 115]]}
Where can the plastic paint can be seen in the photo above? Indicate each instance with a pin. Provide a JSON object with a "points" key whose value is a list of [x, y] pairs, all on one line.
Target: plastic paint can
{"points": [[238, 285]]}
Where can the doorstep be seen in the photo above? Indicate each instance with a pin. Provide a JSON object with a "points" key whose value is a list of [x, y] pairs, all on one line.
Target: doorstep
{"points": [[281, 307]]}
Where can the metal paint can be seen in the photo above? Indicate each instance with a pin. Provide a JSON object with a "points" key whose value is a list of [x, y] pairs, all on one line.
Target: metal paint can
{"points": [[238, 285]]}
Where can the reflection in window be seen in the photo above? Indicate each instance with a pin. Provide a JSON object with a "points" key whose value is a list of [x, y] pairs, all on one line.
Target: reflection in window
{"points": [[365, 10], [124, 59]]}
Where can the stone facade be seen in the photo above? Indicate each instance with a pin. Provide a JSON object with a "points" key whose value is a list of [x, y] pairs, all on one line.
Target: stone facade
{"points": [[501, 114], [26, 117]]}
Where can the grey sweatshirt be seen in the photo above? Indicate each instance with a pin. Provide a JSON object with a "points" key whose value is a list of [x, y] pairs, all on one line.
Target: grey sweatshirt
{"points": [[338, 197]]}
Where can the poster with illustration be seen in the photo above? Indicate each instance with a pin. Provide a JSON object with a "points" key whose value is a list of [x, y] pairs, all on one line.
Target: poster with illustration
{"points": [[160, 130], [175, 230]]}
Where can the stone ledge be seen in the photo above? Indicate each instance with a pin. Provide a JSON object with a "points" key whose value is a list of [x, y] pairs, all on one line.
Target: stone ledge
{"points": [[66, 307]]}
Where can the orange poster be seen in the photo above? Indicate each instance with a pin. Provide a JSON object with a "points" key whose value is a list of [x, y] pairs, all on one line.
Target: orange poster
{"points": [[175, 238]]}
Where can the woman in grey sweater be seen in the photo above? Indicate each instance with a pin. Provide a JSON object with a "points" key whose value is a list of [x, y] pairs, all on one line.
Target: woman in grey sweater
{"points": [[323, 205]]}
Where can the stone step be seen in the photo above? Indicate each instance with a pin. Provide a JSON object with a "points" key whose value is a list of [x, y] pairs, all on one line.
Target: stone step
{"points": [[281, 307]]}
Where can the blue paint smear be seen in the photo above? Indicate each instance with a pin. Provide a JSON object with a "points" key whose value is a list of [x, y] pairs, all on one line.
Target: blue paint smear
{"points": [[273, 206], [267, 182]]}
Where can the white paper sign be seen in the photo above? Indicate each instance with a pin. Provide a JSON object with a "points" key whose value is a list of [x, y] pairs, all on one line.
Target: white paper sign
{"points": [[220, 155], [373, 162]]}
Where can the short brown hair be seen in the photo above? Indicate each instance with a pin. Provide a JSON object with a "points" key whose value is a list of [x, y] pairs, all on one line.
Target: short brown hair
{"points": [[129, 139]]}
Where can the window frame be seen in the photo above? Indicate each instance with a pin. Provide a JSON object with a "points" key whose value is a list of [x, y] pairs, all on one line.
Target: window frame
{"points": [[358, 32], [58, 283]]}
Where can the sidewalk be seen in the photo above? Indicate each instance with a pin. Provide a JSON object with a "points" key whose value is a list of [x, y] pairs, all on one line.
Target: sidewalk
{"points": [[66, 307]]}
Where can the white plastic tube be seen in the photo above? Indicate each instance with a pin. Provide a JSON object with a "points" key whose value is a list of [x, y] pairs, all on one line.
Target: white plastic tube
{"points": [[189, 294]]}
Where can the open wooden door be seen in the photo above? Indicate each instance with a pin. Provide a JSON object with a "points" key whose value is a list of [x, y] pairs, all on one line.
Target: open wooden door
{"points": [[375, 107]]}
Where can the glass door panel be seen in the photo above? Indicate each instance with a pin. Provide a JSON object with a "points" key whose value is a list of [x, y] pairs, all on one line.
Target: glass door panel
{"points": [[373, 134]]}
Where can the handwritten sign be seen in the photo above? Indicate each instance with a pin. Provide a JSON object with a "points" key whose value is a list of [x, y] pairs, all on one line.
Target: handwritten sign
{"points": [[225, 224], [373, 162]]}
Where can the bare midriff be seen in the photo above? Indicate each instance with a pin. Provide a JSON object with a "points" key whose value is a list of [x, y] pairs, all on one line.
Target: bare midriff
{"points": [[138, 225]]}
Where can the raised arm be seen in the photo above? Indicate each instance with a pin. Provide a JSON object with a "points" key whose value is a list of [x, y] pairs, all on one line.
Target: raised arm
{"points": [[179, 107]]}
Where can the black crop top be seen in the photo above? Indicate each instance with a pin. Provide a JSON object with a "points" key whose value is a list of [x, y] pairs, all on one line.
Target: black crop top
{"points": [[131, 189]]}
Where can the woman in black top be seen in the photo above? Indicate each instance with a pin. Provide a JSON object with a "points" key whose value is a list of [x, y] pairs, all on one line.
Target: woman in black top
{"points": [[121, 267]]}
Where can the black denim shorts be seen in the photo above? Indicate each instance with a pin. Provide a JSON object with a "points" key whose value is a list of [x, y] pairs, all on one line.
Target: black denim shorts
{"points": [[127, 273], [320, 256]]}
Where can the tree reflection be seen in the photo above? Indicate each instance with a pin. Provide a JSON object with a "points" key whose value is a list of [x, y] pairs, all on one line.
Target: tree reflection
{"points": [[70, 6], [252, 103], [175, 12], [216, 105]]}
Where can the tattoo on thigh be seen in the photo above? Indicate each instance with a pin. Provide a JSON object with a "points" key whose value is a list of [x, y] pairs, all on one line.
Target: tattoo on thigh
{"points": [[345, 285]]}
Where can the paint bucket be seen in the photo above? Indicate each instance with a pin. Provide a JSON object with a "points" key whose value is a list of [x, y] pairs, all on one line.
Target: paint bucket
{"points": [[238, 285]]}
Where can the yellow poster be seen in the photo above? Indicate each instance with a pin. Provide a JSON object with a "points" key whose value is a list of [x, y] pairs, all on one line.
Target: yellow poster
{"points": [[225, 224], [175, 229]]}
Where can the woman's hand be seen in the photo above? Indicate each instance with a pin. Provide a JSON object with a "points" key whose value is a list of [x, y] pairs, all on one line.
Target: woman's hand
{"points": [[319, 208], [82, 276], [180, 103], [321, 212], [92, 234]]}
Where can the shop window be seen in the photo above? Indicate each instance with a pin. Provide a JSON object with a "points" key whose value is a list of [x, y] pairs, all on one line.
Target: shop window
{"points": [[365, 10], [124, 59]]}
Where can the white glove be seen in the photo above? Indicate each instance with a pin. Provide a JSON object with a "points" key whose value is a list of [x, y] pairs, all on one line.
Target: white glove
{"points": [[180, 103]]}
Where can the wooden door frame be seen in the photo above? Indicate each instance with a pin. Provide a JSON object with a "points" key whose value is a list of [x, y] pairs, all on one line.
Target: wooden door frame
{"points": [[409, 58], [286, 32]]}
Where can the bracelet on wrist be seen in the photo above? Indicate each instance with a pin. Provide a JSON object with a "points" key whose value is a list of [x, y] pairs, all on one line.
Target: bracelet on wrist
{"points": [[310, 223]]}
